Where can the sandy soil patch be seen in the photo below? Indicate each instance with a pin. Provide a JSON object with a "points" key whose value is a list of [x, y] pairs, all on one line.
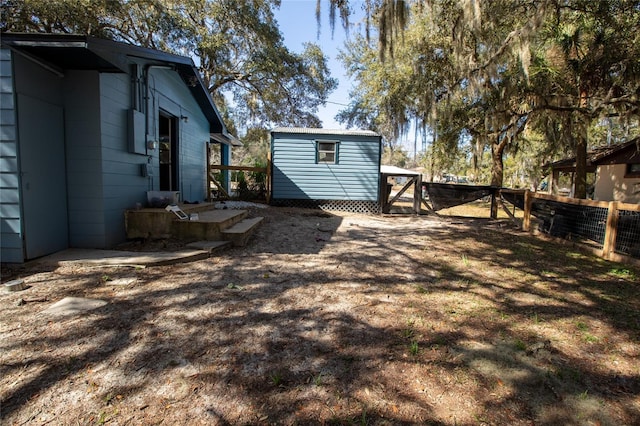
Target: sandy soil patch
{"points": [[332, 319]]}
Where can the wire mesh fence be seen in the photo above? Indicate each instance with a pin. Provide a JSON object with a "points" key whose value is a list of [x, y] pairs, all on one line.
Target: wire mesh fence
{"points": [[571, 221], [628, 234], [613, 227]]}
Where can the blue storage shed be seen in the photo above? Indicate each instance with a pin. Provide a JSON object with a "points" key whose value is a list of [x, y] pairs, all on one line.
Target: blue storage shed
{"points": [[328, 169]]}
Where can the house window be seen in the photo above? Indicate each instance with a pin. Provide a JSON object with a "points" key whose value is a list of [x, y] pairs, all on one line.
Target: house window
{"points": [[633, 171], [327, 152]]}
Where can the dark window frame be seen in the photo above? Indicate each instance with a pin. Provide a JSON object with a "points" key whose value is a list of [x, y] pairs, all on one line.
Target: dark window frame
{"points": [[632, 170]]}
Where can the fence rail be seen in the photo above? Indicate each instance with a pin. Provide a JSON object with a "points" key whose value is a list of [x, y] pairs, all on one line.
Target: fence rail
{"points": [[612, 227], [220, 187]]}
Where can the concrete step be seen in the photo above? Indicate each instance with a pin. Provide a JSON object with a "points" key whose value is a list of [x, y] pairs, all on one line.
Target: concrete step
{"points": [[208, 226], [204, 224], [157, 223], [196, 208], [240, 233], [209, 246]]}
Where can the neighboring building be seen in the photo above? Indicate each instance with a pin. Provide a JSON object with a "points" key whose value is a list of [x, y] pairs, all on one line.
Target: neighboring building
{"points": [[616, 168], [331, 169], [88, 127], [618, 174]]}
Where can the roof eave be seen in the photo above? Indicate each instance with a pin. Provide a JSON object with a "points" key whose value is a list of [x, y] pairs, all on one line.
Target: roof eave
{"points": [[226, 138], [114, 53]]}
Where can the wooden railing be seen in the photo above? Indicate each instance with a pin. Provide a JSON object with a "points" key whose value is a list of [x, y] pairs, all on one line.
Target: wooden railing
{"points": [[220, 187]]}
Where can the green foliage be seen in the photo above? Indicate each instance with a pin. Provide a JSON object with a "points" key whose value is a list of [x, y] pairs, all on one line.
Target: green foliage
{"points": [[520, 345], [394, 156], [414, 349], [276, 378], [527, 81], [622, 273], [238, 47]]}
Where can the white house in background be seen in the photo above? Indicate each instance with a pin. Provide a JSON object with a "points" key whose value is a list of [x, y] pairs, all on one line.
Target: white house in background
{"points": [[88, 127], [616, 168]]}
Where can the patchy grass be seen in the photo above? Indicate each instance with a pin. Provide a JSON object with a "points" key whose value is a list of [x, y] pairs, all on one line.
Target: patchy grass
{"points": [[390, 320]]}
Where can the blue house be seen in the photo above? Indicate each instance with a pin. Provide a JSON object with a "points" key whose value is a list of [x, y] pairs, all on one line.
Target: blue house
{"points": [[89, 127], [329, 169]]}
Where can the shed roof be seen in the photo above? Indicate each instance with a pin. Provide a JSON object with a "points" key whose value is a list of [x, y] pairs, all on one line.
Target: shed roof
{"points": [[319, 131], [81, 52], [397, 171]]}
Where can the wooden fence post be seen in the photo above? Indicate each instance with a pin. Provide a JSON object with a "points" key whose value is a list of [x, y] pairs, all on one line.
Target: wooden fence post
{"points": [[417, 194], [493, 214], [528, 202], [611, 233], [268, 178], [208, 148]]}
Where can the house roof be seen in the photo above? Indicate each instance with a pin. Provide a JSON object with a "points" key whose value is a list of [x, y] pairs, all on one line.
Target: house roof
{"points": [[226, 139], [81, 52], [318, 131], [628, 152], [611, 154]]}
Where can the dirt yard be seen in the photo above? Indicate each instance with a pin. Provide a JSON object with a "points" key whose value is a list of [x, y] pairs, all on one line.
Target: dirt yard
{"points": [[333, 319]]}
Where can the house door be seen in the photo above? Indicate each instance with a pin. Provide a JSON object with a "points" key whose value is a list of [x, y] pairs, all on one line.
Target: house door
{"points": [[168, 151], [43, 177]]}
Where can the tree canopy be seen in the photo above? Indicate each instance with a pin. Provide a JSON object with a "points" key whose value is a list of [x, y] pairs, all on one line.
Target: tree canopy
{"points": [[254, 78], [499, 71]]}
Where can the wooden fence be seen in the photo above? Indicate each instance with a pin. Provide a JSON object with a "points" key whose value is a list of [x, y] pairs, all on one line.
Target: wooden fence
{"points": [[212, 181], [606, 227]]}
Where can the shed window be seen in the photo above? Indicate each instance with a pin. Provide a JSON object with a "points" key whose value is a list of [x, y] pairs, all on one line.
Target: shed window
{"points": [[633, 170], [327, 152]]}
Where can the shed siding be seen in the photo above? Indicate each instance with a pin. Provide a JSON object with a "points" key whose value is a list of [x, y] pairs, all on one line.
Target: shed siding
{"points": [[10, 222], [296, 175]]}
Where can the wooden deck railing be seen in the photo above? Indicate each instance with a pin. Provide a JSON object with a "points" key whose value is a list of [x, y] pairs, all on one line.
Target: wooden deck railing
{"points": [[213, 168]]}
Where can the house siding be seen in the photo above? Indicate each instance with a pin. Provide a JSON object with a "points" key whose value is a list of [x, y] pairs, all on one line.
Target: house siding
{"points": [[41, 156], [122, 182], [104, 177], [296, 175], [10, 218], [84, 160], [173, 97], [611, 185], [76, 123]]}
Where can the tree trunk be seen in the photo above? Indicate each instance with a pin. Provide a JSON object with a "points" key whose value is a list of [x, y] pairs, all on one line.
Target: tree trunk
{"points": [[497, 167], [580, 190], [433, 151], [497, 173], [580, 187]]}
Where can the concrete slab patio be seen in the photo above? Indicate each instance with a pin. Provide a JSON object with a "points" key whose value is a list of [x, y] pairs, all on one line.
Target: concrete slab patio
{"points": [[117, 257]]}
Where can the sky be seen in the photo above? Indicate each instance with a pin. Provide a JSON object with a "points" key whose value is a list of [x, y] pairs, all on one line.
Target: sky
{"points": [[297, 21]]}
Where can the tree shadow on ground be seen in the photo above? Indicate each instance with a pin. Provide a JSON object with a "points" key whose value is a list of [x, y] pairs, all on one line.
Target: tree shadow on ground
{"points": [[415, 321]]}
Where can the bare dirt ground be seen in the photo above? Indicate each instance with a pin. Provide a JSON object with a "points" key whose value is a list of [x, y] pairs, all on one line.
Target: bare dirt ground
{"points": [[333, 319]]}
